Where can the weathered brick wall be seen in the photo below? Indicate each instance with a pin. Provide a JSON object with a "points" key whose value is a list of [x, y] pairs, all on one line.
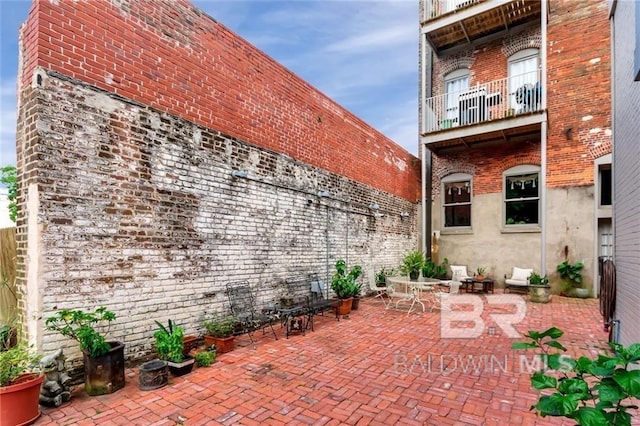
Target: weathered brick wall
{"points": [[579, 101], [139, 211], [169, 55]]}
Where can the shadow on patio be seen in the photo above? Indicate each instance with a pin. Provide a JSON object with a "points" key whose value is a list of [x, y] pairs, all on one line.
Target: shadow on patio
{"points": [[376, 367]]}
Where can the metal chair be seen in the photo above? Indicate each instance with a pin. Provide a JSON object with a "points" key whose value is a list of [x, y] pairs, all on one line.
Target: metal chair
{"points": [[380, 292], [243, 309]]}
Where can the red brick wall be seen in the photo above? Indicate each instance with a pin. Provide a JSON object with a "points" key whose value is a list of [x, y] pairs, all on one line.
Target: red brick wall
{"points": [[578, 79], [169, 55]]}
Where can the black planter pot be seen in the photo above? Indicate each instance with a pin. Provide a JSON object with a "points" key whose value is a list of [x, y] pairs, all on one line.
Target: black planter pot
{"points": [[413, 276], [154, 374], [104, 374], [181, 368]]}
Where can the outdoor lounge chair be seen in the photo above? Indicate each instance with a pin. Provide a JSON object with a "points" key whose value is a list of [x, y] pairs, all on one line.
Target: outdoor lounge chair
{"points": [[519, 280]]}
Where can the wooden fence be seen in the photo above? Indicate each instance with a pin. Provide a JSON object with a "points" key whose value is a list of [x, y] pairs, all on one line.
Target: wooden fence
{"points": [[8, 301]]}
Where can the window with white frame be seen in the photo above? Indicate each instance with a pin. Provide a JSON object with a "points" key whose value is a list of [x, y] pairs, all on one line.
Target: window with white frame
{"points": [[522, 196], [455, 83], [456, 200], [525, 91]]}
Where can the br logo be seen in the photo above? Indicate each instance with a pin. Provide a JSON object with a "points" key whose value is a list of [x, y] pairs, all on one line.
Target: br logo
{"points": [[461, 311]]}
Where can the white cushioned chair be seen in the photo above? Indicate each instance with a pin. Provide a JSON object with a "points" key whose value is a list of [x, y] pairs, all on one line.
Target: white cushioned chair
{"points": [[519, 279]]}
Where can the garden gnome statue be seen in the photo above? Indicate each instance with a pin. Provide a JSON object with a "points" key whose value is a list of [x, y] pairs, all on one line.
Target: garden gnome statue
{"points": [[55, 388]]}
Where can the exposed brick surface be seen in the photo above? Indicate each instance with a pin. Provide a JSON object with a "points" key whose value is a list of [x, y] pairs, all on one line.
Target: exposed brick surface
{"points": [[137, 210], [169, 55], [372, 368]]}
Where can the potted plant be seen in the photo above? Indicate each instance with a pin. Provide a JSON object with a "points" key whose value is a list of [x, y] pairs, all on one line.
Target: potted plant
{"points": [[539, 288], [357, 290], [20, 381], [572, 274], [344, 285], [412, 264], [219, 333], [205, 358], [169, 345], [381, 276], [103, 360], [480, 270], [432, 270]]}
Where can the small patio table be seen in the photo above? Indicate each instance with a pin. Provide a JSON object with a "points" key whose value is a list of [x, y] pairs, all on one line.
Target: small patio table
{"points": [[470, 285], [293, 318]]}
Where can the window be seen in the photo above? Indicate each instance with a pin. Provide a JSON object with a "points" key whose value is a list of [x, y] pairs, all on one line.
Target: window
{"points": [[456, 196], [454, 83], [522, 196], [605, 185], [524, 76]]}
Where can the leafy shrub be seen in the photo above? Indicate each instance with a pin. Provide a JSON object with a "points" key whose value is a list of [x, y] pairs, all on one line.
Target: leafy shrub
{"points": [[205, 359], [78, 325], [590, 391]]}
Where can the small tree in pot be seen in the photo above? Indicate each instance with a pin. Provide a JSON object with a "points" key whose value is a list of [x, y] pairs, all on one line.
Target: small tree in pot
{"points": [[103, 360]]}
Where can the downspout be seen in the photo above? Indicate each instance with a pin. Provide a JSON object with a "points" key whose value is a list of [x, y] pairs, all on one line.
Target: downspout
{"points": [[426, 157], [543, 141]]}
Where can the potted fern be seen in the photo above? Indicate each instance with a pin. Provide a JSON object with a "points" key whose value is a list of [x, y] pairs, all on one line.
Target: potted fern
{"points": [[344, 285], [412, 264]]}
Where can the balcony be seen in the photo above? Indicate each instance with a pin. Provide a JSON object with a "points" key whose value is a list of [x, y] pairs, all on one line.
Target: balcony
{"points": [[449, 25], [499, 109]]}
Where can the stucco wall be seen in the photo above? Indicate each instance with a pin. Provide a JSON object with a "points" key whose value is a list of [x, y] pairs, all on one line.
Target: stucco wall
{"points": [[489, 245]]}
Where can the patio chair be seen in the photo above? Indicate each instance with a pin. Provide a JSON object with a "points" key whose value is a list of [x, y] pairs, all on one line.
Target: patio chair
{"points": [[380, 292], [318, 304], [519, 280], [459, 274], [243, 309]]}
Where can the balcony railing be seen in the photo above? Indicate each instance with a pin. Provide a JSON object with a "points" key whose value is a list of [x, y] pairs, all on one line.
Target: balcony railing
{"points": [[436, 8], [498, 99]]}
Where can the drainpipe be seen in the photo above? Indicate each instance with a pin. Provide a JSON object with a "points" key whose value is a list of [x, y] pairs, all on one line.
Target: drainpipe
{"points": [[543, 141], [426, 157]]}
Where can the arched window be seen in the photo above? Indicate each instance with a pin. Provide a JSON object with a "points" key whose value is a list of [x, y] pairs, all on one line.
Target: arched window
{"points": [[521, 189], [524, 80], [456, 200], [455, 83]]}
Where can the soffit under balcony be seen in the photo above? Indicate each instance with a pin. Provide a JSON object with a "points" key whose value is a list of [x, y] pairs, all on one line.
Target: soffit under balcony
{"points": [[508, 131], [480, 23]]}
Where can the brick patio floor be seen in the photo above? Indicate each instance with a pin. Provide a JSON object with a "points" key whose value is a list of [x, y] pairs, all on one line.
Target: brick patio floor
{"points": [[378, 367]]}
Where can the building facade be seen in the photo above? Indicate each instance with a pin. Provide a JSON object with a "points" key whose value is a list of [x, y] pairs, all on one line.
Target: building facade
{"points": [[515, 123], [162, 156], [625, 19]]}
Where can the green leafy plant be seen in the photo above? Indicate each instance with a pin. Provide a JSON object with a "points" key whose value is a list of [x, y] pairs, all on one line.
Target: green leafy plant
{"points": [[8, 178], [480, 270], [205, 358], [223, 327], [382, 274], [16, 361], [79, 326], [537, 279], [431, 270], [590, 391], [571, 272], [412, 264], [343, 283], [169, 342]]}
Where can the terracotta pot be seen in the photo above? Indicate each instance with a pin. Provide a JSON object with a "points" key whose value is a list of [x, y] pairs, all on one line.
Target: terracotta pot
{"points": [[19, 401], [189, 343], [344, 306], [355, 303], [104, 374], [223, 344]]}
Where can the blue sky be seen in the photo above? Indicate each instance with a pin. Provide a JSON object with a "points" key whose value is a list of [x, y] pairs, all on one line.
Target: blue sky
{"points": [[362, 54]]}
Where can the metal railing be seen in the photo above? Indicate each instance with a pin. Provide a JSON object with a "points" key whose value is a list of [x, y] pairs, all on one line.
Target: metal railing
{"points": [[498, 99], [436, 8]]}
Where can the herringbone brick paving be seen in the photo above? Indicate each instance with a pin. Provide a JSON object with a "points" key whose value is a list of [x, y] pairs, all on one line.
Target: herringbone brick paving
{"points": [[378, 367]]}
